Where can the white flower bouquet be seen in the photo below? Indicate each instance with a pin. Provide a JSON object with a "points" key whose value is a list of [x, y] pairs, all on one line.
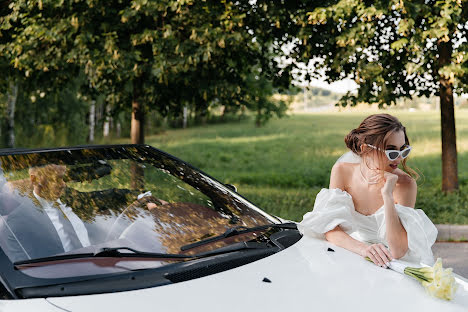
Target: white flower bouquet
{"points": [[436, 280]]}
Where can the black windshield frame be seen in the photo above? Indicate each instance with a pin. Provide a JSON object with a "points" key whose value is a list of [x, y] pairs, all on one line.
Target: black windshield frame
{"points": [[14, 279]]}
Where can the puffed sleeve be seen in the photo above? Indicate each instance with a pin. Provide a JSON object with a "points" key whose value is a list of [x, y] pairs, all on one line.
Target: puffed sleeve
{"points": [[421, 234], [332, 207]]}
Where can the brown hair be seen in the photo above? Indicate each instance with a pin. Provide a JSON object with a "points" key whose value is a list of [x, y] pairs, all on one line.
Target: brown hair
{"points": [[375, 130]]}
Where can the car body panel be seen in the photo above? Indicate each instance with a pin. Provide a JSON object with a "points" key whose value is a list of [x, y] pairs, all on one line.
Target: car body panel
{"points": [[36, 305], [305, 276]]}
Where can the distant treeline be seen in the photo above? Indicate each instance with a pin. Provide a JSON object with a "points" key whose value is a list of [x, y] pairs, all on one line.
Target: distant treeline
{"points": [[70, 118]]}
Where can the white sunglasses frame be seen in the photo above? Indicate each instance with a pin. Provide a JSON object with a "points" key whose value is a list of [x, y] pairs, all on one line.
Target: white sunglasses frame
{"points": [[387, 152]]}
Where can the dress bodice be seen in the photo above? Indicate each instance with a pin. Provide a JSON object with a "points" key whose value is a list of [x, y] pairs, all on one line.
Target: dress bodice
{"points": [[335, 207]]}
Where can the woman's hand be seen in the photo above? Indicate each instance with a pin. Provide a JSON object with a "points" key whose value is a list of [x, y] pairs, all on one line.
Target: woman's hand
{"points": [[378, 253], [390, 182]]}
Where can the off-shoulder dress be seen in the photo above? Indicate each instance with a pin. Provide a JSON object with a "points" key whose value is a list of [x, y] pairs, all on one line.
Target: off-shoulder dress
{"points": [[335, 207]]}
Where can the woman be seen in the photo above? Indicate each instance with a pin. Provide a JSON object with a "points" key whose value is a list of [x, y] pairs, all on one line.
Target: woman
{"points": [[369, 205]]}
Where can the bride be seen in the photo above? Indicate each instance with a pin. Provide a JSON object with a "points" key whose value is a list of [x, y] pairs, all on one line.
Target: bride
{"points": [[369, 205]]}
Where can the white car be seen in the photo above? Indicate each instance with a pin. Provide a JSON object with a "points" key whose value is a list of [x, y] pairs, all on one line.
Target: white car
{"points": [[131, 228]]}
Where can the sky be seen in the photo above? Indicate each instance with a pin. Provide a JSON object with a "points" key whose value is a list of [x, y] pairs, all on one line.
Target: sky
{"points": [[341, 86]]}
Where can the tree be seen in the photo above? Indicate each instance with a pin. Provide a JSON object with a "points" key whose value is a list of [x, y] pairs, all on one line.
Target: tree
{"points": [[25, 73], [143, 55], [259, 100], [392, 49]]}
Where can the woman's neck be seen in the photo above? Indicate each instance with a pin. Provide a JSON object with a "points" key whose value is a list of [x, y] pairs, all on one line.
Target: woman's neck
{"points": [[370, 175]]}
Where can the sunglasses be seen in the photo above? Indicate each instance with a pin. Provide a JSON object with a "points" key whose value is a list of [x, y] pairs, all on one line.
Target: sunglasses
{"points": [[394, 154]]}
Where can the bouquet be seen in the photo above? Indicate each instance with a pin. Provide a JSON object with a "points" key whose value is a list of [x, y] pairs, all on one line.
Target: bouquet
{"points": [[436, 280]]}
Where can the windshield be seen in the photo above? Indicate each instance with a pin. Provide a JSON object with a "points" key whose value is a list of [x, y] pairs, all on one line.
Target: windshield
{"points": [[80, 200]]}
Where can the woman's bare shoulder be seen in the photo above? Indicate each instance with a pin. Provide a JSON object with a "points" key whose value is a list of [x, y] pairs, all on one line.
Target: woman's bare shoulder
{"points": [[343, 170], [345, 167], [339, 174]]}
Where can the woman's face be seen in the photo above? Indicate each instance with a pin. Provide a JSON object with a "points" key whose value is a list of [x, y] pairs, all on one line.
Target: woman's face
{"points": [[396, 141]]}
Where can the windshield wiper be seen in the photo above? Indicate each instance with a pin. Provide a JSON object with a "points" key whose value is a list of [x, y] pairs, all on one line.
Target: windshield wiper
{"points": [[106, 252], [238, 230], [115, 252]]}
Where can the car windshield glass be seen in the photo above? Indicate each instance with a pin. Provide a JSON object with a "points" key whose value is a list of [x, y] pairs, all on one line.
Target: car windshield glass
{"points": [[79, 200]]}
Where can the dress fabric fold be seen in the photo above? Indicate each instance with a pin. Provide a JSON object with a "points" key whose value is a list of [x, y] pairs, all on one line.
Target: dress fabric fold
{"points": [[331, 208], [335, 207]]}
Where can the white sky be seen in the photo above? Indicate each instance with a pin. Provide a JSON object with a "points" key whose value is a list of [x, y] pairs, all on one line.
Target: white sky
{"points": [[341, 86]]}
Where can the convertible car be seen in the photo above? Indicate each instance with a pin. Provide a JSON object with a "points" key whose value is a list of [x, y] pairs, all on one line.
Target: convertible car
{"points": [[130, 227]]}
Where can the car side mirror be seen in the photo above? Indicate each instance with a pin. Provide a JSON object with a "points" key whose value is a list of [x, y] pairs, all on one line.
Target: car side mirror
{"points": [[231, 187]]}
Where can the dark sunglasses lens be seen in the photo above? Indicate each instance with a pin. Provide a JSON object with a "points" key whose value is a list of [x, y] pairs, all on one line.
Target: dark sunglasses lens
{"points": [[393, 155], [405, 153]]}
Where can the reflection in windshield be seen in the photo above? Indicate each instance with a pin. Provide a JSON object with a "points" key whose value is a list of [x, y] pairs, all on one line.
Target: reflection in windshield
{"points": [[85, 199]]}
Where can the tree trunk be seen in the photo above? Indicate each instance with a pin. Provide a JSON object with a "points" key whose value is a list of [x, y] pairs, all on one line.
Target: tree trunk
{"points": [[10, 112], [137, 174], [185, 113], [224, 113], [137, 177], [138, 115], [107, 122], [118, 129], [258, 118], [92, 121], [447, 114]]}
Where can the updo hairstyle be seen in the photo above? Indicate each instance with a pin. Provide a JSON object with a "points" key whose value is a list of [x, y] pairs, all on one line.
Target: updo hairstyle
{"points": [[375, 130]]}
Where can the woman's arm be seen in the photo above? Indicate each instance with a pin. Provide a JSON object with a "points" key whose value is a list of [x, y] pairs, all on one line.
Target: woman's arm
{"points": [[378, 253], [337, 236], [396, 234], [340, 238]]}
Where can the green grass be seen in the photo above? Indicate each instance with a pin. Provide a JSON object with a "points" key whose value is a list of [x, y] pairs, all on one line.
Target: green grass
{"points": [[283, 165]]}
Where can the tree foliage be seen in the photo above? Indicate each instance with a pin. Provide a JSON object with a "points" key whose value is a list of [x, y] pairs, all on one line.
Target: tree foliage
{"points": [[391, 49], [159, 55]]}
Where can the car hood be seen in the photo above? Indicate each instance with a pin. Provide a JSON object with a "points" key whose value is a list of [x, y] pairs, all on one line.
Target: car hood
{"points": [[305, 276]]}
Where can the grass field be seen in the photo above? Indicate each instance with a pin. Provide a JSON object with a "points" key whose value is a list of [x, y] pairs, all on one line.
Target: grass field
{"points": [[283, 165]]}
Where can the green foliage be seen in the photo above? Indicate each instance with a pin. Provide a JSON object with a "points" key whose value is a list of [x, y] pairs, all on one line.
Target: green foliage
{"points": [[163, 54], [259, 101], [59, 117], [392, 49]]}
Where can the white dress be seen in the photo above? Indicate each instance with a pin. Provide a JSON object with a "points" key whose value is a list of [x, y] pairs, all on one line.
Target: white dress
{"points": [[335, 207]]}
